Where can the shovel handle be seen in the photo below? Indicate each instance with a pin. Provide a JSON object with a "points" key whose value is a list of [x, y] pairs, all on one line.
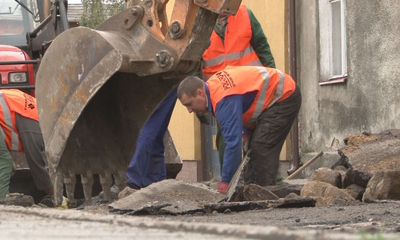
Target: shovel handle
{"points": [[305, 165]]}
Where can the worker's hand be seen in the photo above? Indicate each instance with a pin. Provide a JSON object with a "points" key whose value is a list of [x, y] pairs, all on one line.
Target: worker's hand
{"points": [[223, 187]]}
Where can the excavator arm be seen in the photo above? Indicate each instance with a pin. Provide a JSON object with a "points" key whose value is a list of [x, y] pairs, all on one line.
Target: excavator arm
{"points": [[96, 88]]}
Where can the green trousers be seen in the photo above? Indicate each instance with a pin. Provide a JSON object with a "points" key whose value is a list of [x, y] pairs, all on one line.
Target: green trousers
{"points": [[6, 165]]}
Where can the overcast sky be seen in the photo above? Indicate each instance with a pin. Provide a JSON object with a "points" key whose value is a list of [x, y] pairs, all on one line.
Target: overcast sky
{"points": [[74, 1]]}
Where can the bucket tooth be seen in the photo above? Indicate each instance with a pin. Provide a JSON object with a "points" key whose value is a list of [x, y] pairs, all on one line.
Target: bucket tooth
{"points": [[70, 181], [87, 185], [120, 180], [106, 182], [56, 177]]}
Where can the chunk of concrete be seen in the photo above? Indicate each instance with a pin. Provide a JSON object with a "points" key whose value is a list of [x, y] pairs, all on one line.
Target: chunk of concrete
{"points": [[383, 186], [19, 199], [295, 201], [356, 177], [341, 170], [237, 180], [327, 175], [167, 197], [326, 194], [282, 189], [253, 192], [355, 191], [371, 153], [126, 192]]}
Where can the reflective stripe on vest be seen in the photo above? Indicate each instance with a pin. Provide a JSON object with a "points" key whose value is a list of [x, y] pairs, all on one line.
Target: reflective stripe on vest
{"points": [[263, 94], [3, 134], [254, 63], [230, 57], [235, 49], [8, 121]]}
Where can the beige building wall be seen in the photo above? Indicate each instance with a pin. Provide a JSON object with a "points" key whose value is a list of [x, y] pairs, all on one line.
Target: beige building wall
{"points": [[272, 14], [184, 127]]}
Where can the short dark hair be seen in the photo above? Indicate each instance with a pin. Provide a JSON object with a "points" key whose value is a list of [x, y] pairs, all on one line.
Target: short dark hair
{"points": [[189, 86]]}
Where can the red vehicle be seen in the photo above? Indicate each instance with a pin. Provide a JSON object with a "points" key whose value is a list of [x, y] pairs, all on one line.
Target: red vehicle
{"points": [[16, 66], [18, 72], [25, 33]]}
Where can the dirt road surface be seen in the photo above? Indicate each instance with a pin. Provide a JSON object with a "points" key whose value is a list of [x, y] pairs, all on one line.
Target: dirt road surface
{"points": [[365, 221]]}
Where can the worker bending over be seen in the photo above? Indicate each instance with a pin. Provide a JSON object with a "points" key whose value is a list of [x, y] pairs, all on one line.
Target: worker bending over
{"points": [[236, 40], [20, 131], [259, 101]]}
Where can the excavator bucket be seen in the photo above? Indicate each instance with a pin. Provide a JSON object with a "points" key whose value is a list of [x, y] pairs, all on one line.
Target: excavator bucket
{"points": [[96, 88]]}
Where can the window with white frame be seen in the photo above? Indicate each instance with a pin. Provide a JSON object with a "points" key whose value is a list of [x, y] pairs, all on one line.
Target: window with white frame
{"points": [[333, 47]]}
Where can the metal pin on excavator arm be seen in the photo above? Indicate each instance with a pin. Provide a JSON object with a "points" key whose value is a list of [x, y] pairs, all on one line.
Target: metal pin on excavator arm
{"points": [[96, 88]]}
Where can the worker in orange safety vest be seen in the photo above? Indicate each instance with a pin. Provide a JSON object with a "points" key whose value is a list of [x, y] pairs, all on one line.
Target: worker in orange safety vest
{"points": [[237, 40], [20, 131], [258, 101]]}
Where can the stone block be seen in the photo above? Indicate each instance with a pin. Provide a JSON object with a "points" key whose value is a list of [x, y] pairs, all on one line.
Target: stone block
{"points": [[383, 186], [326, 194], [356, 177], [328, 176], [19, 199], [283, 189], [253, 192], [355, 191]]}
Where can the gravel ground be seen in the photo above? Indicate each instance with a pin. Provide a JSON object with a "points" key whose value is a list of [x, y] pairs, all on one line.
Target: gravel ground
{"points": [[371, 218], [40, 223], [364, 221], [375, 221], [376, 217]]}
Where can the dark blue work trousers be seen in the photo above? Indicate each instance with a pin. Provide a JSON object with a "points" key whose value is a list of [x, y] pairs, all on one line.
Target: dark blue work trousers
{"points": [[148, 164]]}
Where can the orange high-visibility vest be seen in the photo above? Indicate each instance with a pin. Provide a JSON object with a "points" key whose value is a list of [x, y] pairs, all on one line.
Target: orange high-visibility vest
{"points": [[236, 50], [271, 85], [15, 101]]}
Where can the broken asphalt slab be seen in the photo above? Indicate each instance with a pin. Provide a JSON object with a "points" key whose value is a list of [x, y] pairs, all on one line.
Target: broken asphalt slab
{"points": [[179, 197], [237, 180], [167, 197], [252, 205], [176, 197]]}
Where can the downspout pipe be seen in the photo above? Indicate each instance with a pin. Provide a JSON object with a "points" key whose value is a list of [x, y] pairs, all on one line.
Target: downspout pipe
{"points": [[296, 164]]}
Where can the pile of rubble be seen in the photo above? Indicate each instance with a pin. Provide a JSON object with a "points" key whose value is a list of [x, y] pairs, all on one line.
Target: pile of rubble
{"points": [[368, 170]]}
